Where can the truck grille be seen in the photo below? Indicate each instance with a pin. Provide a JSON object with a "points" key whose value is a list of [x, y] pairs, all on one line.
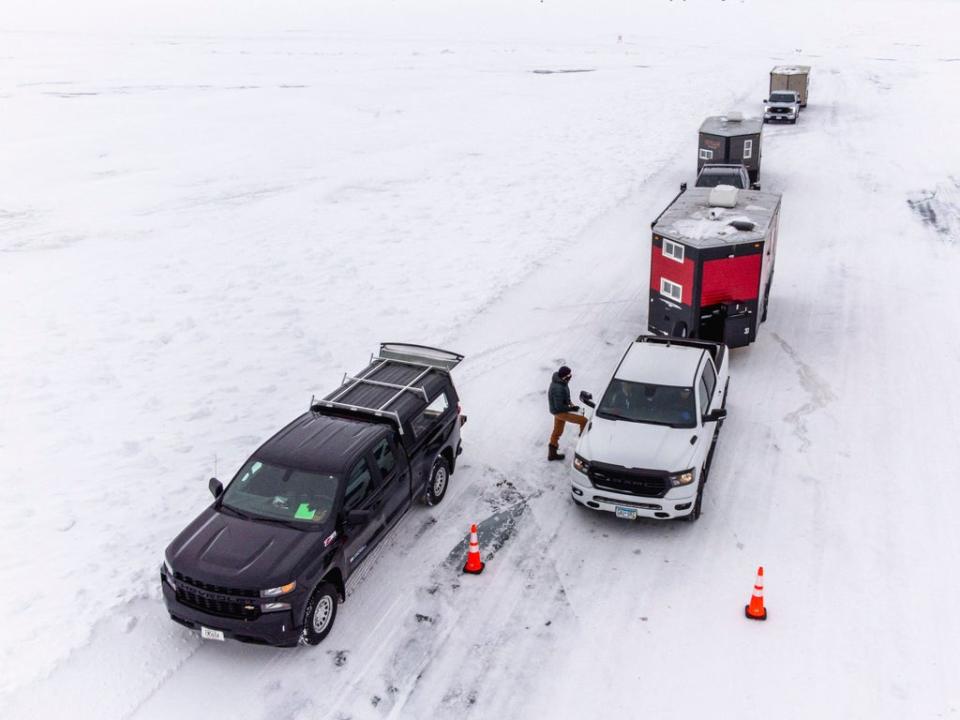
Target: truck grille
{"points": [[779, 110], [645, 483], [221, 607], [209, 587]]}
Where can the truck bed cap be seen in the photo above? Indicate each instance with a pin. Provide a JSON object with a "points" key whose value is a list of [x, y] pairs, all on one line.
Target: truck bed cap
{"points": [[689, 218], [720, 125]]}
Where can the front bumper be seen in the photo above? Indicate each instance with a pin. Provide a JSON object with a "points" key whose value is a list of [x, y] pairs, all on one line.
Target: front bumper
{"points": [[779, 117], [272, 628], [678, 502]]}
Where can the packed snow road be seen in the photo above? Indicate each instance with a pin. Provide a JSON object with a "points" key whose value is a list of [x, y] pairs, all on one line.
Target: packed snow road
{"points": [[202, 311]]}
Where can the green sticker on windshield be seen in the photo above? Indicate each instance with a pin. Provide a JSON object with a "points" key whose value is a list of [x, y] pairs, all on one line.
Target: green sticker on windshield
{"points": [[304, 512]]}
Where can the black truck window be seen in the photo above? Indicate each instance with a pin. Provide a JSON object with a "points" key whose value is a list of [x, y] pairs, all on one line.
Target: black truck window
{"points": [[358, 485], [704, 395], [383, 456], [425, 420], [709, 377]]}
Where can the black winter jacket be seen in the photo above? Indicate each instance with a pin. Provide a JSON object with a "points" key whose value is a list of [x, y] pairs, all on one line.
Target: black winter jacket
{"points": [[559, 396]]}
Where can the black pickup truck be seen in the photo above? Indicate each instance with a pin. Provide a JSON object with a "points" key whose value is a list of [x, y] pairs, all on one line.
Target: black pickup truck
{"points": [[268, 561]]}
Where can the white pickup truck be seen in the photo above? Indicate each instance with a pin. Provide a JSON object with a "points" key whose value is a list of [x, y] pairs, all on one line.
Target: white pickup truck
{"points": [[646, 451], [782, 106]]}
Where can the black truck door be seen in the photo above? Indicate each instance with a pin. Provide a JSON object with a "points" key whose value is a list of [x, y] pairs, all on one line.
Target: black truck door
{"points": [[361, 494], [394, 479]]}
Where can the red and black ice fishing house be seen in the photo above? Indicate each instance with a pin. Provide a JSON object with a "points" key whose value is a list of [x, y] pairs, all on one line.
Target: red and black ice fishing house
{"points": [[711, 264]]}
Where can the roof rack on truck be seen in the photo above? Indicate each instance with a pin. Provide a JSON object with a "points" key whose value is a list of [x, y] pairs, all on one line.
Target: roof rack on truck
{"points": [[394, 386]]}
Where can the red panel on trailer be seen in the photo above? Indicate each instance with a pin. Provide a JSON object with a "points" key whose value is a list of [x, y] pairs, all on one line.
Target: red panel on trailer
{"points": [[662, 266], [731, 279]]}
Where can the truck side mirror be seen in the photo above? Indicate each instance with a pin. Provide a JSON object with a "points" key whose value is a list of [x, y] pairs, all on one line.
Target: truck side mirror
{"points": [[587, 399], [216, 487], [766, 100], [716, 415], [754, 186]]}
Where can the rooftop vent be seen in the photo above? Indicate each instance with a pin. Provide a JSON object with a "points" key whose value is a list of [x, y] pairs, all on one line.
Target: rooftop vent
{"points": [[724, 196], [734, 116], [742, 224]]}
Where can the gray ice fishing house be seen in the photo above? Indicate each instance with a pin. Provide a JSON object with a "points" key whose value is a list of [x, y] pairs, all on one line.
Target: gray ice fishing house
{"points": [[791, 77], [731, 138]]}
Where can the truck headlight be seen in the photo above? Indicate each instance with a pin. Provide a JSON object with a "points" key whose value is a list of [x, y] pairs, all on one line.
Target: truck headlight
{"points": [[581, 465], [274, 607], [282, 590], [683, 478], [168, 574]]}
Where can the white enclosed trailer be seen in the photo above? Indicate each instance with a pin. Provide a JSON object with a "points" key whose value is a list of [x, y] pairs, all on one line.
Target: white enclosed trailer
{"points": [[791, 77]]}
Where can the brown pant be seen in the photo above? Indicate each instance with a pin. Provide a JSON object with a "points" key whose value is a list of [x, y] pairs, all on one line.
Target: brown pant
{"points": [[560, 420]]}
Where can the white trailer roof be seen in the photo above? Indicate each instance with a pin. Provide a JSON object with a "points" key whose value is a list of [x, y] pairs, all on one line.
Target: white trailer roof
{"points": [[722, 125], [791, 70], [692, 221]]}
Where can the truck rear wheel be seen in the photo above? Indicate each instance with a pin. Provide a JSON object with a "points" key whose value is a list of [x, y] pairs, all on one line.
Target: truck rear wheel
{"points": [[439, 479], [320, 613]]}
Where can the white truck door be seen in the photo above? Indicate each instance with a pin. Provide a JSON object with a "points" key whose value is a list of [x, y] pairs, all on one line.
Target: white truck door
{"points": [[706, 402]]}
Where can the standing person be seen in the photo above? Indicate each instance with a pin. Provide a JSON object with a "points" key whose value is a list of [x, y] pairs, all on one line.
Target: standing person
{"points": [[562, 409]]}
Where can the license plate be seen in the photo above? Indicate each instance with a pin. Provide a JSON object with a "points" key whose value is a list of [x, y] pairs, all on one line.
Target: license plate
{"points": [[208, 634], [627, 513]]}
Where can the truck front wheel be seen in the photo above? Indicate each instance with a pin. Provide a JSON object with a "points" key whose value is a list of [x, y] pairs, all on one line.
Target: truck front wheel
{"points": [[320, 613], [698, 503], [439, 479]]}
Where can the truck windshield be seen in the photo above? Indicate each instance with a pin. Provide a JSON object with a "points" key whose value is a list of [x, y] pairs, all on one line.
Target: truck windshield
{"points": [[712, 178], [782, 97], [273, 492], [645, 403]]}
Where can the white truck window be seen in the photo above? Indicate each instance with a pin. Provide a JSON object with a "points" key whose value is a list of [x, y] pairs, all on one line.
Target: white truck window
{"points": [[747, 149], [671, 290], [706, 154], [673, 250]]}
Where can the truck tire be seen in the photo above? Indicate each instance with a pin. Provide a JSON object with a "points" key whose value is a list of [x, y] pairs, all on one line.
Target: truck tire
{"points": [[439, 480], [698, 503], [320, 613]]}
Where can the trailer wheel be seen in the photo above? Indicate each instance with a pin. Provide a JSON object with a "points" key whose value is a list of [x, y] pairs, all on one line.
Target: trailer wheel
{"points": [[439, 479]]}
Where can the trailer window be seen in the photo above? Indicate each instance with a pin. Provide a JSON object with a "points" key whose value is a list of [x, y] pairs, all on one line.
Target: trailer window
{"points": [[671, 290], [706, 154], [747, 149], [673, 250]]}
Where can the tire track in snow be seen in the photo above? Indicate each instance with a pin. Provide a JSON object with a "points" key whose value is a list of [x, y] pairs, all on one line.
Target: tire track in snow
{"points": [[818, 391]]}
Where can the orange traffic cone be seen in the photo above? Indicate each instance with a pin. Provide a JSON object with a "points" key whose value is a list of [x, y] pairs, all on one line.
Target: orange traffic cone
{"points": [[474, 564], [755, 610]]}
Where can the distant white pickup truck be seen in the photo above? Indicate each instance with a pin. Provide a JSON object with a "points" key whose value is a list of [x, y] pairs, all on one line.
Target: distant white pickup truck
{"points": [[782, 106], [646, 452]]}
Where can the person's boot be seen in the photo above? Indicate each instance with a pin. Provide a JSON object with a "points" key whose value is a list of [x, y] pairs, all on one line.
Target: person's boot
{"points": [[553, 454]]}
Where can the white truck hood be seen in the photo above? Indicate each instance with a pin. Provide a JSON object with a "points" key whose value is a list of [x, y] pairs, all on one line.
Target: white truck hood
{"points": [[637, 445]]}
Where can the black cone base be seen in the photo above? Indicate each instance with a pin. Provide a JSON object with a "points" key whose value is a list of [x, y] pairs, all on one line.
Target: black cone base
{"points": [[475, 572]]}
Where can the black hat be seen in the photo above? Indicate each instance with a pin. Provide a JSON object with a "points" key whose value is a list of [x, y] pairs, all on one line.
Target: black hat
{"points": [[564, 371]]}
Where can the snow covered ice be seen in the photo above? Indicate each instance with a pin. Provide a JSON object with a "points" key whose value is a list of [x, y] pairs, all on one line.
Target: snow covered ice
{"points": [[207, 215]]}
